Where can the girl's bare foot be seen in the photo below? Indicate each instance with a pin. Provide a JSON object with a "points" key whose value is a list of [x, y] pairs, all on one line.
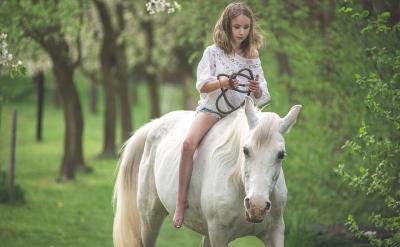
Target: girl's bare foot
{"points": [[179, 214]]}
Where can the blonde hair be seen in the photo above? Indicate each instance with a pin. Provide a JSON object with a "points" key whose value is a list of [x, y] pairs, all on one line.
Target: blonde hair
{"points": [[223, 30]]}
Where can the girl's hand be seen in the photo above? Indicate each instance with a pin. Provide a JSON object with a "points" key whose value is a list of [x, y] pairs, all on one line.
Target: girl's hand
{"points": [[254, 87], [225, 82]]}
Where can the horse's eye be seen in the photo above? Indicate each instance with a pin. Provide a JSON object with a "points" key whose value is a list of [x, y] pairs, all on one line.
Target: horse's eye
{"points": [[281, 154], [246, 151]]}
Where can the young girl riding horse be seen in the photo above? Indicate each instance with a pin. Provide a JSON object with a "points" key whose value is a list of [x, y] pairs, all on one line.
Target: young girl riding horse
{"points": [[236, 43]]}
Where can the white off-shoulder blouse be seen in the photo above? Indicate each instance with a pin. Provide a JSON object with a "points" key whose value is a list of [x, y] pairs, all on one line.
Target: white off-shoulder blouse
{"points": [[215, 61]]}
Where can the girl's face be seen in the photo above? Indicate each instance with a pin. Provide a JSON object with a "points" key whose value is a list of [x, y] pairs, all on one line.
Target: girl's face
{"points": [[240, 28]]}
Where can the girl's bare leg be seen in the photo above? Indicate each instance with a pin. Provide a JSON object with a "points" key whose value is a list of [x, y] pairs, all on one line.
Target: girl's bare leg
{"points": [[201, 124]]}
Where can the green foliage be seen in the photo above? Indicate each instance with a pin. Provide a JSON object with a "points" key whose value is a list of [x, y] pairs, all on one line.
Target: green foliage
{"points": [[376, 146]]}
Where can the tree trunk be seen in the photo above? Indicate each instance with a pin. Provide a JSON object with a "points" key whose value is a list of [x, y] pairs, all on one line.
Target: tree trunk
{"points": [[93, 94], [56, 95], [55, 44], [122, 78], [114, 67], [108, 61], [63, 70], [73, 118], [150, 74], [39, 81], [123, 93], [93, 98], [109, 101], [11, 165]]}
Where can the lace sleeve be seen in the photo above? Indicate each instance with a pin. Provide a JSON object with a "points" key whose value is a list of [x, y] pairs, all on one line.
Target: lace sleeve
{"points": [[265, 97], [206, 69]]}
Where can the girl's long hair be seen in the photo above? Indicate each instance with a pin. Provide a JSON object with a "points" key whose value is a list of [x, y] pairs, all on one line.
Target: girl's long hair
{"points": [[223, 30]]}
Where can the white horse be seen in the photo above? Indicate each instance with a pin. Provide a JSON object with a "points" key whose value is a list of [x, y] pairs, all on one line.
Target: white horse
{"points": [[237, 179]]}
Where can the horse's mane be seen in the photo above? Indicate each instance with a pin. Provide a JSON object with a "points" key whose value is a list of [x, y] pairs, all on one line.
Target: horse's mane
{"points": [[229, 152]]}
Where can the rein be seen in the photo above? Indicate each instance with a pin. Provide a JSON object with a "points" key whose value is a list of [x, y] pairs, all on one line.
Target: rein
{"points": [[224, 90]]}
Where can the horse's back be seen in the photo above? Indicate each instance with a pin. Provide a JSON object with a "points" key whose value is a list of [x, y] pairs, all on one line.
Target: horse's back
{"points": [[175, 121]]}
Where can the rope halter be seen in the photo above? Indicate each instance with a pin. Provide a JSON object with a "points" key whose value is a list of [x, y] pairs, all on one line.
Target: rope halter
{"points": [[232, 87]]}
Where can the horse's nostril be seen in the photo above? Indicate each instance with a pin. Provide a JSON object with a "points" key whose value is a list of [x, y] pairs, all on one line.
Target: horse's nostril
{"points": [[247, 202], [268, 206]]}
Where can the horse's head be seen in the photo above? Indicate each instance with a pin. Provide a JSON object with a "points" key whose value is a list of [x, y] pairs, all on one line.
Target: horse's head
{"points": [[264, 151]]}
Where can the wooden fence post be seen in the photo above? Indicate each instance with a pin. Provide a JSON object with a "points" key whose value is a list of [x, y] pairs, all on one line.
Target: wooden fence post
{"points": [[11, 166], [1, 114], [39, 80]]}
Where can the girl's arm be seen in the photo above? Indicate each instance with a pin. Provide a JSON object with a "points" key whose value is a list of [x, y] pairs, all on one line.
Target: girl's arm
{"points": [[223, 82], [205, 72]]}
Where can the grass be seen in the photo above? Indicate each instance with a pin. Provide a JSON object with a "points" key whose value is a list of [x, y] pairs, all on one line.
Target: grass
{"points": [[76, 213]]}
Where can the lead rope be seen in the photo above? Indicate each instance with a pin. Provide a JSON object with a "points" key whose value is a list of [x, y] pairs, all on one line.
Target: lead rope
{"points": [[224, 90]]}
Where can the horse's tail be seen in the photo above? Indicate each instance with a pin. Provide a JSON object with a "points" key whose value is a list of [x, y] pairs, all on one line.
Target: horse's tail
{"points": [[126, 230]]}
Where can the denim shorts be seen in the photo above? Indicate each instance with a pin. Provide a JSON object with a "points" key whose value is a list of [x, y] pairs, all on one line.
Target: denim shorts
{"points": [[212, 112]]}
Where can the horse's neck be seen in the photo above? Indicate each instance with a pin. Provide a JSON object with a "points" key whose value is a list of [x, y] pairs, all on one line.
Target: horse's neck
{"points": [[224, 142]]}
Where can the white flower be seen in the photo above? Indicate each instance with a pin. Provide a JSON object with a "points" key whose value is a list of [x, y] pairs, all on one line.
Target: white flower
{"points": [[156, 6], [148, 6], [160, 6], [3, 45], [370, 233], [6, 57]]}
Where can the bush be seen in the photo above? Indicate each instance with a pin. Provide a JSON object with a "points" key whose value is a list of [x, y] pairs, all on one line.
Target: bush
{"points": [[375, 150]]}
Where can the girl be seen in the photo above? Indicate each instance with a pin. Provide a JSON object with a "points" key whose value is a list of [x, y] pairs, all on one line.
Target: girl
{"points": [[235, 47]]}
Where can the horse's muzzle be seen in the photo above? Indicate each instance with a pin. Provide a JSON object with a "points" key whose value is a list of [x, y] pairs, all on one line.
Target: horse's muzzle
{"points": [[254, 219], [256, 211]]}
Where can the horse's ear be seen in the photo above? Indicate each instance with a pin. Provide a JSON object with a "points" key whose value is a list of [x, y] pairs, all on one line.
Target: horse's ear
{"points": [[250, 112], [290, 119]]}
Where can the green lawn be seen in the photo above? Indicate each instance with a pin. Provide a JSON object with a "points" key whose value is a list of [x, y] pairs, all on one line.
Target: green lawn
{"points": [[76, 213]]}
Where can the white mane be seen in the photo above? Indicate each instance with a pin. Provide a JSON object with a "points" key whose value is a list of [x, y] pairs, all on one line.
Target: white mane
{"points": [[229, 151]]}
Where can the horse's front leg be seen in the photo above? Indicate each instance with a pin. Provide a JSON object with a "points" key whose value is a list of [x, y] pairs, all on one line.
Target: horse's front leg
{"points": [[205, 242], [275, 235], [218, 236]]}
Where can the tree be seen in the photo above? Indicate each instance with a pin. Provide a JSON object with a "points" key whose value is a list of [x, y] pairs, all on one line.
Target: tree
{"points": [[46, 23], [114, 71], [150, 72]]}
